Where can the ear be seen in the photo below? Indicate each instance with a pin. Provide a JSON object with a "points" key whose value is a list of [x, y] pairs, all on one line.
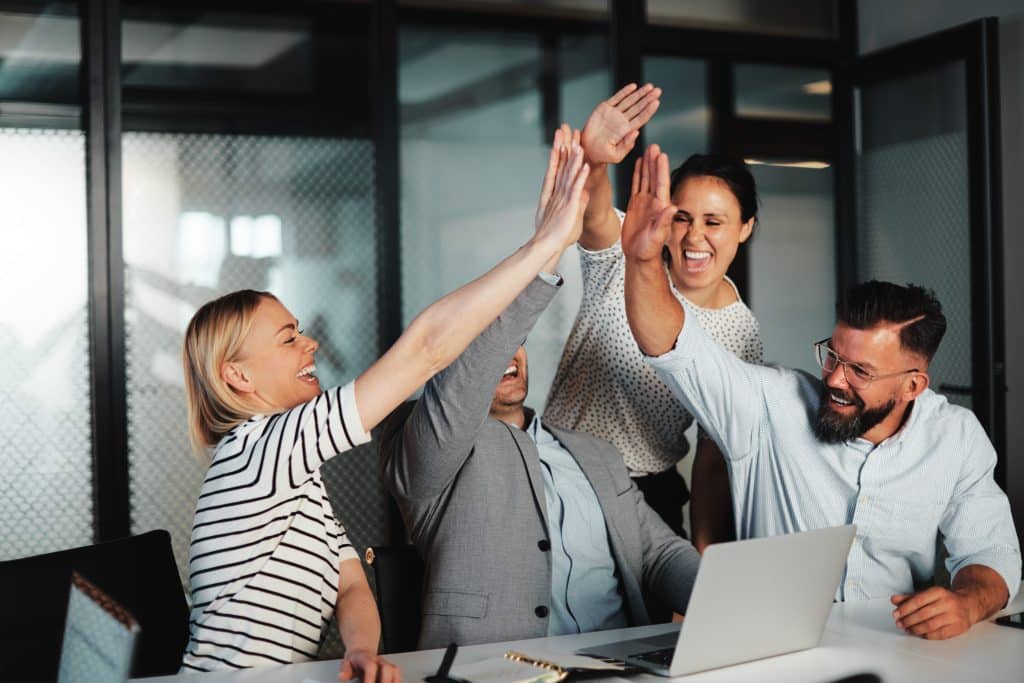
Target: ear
{"points": [[747, 229], [915, 385], [236, 377]]}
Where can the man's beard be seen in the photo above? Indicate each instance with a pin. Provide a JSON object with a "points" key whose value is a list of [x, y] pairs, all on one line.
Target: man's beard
{"points": [[832, 427]]}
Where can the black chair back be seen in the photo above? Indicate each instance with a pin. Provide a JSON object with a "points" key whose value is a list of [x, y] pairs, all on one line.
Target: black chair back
{"points": [[398, 574], [138, 572]]}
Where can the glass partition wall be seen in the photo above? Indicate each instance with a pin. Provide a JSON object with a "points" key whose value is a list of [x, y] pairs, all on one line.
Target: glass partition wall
{"points": [[250, 144]]}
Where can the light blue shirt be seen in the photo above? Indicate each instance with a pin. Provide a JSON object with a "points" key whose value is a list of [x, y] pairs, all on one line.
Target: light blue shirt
{"points": [[934, 475], [584, 585]]}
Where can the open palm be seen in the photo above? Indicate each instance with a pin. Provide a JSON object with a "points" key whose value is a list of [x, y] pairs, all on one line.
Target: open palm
{"points": [[563, 197], [648, 221], [614, 125]]}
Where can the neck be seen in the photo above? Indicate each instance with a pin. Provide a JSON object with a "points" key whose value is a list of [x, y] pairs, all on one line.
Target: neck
{"points": [[705, 297], [890, 425], [510, 415]]}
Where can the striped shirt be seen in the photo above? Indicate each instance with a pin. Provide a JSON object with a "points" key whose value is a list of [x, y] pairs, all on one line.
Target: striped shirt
{"points": [[933, 475], [266, 547]]}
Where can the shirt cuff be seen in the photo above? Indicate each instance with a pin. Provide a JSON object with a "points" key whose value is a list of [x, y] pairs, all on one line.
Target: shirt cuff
{"points": [[553, 279], [687, 345], [1004, 561], [350, 414]]}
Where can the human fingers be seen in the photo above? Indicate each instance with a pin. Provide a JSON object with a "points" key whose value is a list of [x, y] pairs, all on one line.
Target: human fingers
{"points": [[566, 136], [947, 632], [549, 176], [621, 94], [346, 671], [652, 96], [388, 672], [645, 174], [930, 627], [369, 667], [922, 615], [661, 177], [917, 601], [637, 171], [899, 598], [632, 98], [576, 137], [642, 116]]}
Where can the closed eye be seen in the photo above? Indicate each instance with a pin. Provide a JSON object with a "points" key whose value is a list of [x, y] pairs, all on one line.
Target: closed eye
{"points": [[293, 337]]}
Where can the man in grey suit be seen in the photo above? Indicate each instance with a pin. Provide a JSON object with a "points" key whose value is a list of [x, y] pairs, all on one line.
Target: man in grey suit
{"points": [[526, 530]]}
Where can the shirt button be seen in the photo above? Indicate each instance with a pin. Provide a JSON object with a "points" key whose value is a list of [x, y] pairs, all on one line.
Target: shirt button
{"points": [[541, 611], [544, 545]]}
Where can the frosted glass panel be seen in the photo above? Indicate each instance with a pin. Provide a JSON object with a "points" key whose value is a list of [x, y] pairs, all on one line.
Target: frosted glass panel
{"points": [[45, 425], [792, 262], [913, 203], [209, 214]]}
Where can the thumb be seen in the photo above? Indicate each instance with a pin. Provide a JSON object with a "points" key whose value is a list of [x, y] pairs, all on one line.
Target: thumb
{"points": [[627, 141]]}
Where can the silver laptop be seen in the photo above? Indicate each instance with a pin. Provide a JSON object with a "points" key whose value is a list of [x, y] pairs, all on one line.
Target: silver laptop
{"points": [[751, 599]]}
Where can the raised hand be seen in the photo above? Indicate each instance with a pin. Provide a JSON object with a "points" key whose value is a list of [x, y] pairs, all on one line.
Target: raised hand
{"points": [[614, 125], [563, 197], [648, 221]]}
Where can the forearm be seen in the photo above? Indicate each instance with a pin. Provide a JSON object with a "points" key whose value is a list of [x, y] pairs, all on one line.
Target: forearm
{"points": [[984, 590], [711, 516], [440, 333], [601, 225], [358, 620], [655, 315]]}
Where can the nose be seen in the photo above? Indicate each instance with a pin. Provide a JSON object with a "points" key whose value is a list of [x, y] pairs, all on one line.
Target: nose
{"points": [[837, 378], [694, 233], [311, 345]]}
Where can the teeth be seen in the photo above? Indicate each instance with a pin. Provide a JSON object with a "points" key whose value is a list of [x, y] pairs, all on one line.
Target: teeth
{"points": [[510, 370], [308, 370], [840, 400], [697, 255]]}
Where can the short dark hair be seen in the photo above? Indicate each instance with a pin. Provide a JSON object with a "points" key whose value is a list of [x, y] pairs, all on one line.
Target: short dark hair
{"points": [[730, 170], [868, 304]]}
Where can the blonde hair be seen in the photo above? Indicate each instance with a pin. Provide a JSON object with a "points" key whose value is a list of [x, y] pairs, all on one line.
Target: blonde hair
{"points": [[213, 337]]}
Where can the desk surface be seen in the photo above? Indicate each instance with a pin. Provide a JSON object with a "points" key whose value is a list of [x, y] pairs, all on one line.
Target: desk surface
{"points": [[859, 637]]}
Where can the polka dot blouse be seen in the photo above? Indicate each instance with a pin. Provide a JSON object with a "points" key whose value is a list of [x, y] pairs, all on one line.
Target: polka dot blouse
{"points": [[604, 387]]}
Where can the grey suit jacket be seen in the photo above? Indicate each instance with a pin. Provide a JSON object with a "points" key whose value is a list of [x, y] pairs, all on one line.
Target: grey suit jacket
{"points": [[471, 493]]}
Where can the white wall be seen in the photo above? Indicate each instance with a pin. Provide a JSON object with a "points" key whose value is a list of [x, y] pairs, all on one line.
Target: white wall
{"points": [[883, 23]]}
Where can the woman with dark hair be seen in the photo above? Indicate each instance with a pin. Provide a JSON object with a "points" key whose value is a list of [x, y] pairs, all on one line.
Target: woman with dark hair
{"points": [[602, 385]]}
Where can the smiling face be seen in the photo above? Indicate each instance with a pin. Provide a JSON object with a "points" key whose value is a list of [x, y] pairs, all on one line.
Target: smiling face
{"points": [[877, 410], [511, 392], [274, 369], [706, 232]]}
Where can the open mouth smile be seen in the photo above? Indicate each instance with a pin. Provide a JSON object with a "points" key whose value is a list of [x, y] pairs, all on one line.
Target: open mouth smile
{"points": [[307, 374], [696, 261]]}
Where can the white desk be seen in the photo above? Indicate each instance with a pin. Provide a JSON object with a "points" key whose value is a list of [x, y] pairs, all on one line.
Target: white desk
{"points": [[859, 637]]}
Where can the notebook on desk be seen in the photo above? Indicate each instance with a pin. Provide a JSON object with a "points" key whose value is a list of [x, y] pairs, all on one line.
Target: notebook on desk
{"points": [[752, 599]]}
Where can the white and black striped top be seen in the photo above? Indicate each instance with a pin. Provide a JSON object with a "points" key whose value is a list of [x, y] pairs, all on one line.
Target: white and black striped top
{"points": [[266, 547]]}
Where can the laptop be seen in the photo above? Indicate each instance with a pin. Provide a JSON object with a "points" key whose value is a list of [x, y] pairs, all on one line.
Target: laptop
{"points": [[752, 599]]}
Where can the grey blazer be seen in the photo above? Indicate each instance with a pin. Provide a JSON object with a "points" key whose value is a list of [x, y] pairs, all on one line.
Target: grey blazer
{"points": [[471, 493]]}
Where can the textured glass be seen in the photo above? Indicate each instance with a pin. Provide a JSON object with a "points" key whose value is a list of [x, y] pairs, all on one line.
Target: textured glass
{"points": [[792, 262], [45, 425], [811, 18], [208, 214], [783, 92], [681, 125], [913, 221]]}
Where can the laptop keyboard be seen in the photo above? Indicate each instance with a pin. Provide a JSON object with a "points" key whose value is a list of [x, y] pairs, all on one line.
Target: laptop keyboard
{"points": [[658, 657]]}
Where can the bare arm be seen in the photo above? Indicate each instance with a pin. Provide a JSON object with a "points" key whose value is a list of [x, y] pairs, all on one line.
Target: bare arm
{"points": [[655, 316], [711, 517], [938, 613], [359, 628], [608, 136], [440, 333]]}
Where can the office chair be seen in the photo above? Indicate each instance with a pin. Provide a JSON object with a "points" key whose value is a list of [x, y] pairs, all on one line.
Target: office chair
{"points": [[398, 571], [138, 572]]}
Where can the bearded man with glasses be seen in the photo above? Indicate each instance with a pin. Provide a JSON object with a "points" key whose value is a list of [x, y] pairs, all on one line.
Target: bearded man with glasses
{"points": [[869, 443]]}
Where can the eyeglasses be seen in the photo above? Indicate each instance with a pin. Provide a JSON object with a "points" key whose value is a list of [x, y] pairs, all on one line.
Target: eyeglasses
{"points": [[856, 375]]}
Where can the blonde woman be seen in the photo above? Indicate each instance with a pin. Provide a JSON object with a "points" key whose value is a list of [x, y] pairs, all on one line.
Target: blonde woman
{"points": [[269, 562]]}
